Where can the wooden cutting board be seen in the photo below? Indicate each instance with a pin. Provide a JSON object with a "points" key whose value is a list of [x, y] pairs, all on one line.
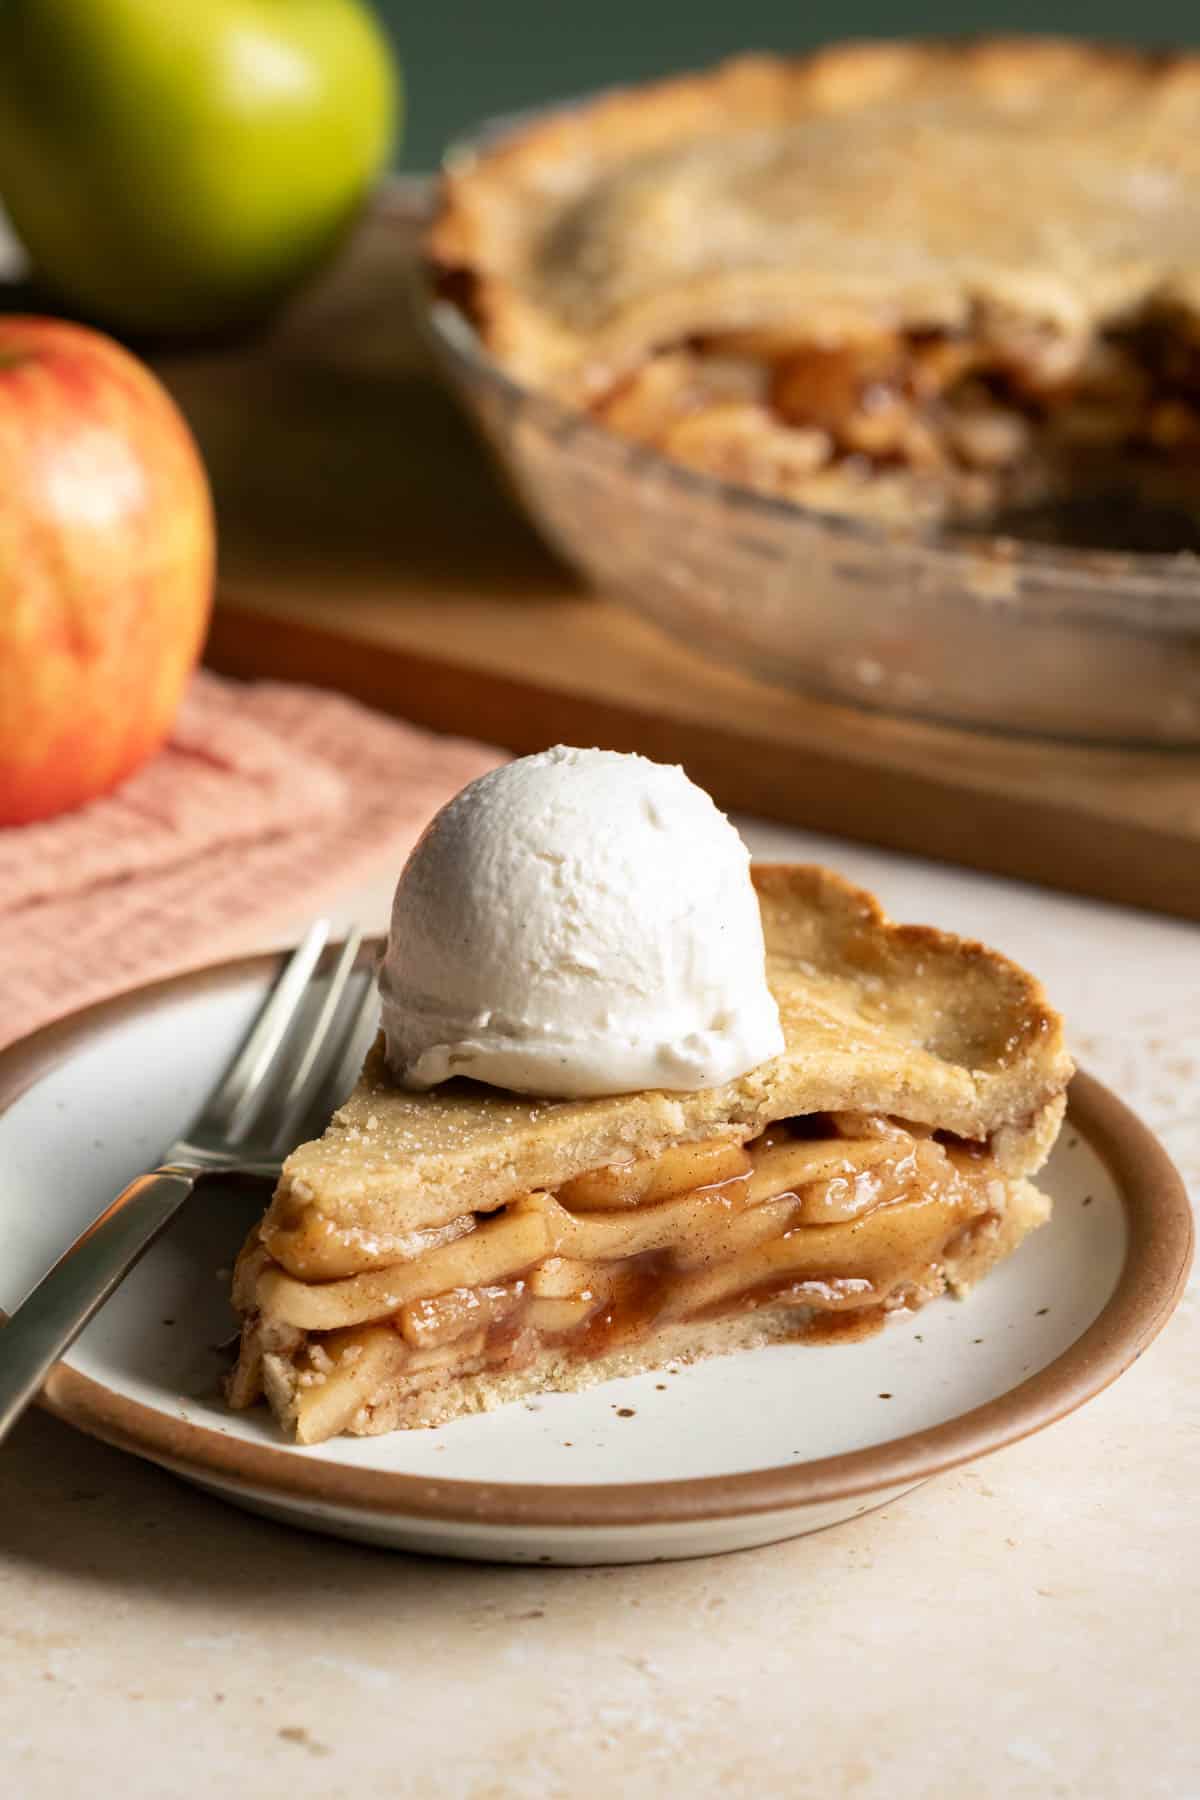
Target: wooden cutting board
{"points": [[367, 544]]}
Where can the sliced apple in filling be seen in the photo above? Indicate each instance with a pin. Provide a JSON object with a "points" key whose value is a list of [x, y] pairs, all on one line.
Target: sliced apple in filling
{"points": [[868, 1222]]}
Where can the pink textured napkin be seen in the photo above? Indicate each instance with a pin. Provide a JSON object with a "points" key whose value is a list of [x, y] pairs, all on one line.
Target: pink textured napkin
{"points": [[267, 800]]}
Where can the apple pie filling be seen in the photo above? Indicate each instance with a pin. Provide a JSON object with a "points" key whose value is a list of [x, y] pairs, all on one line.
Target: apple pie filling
{"points": [[963, 425], [832, 1215]]}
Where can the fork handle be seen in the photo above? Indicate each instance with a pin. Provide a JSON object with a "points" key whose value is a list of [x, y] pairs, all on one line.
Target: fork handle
{"points": [[53, 1315]]}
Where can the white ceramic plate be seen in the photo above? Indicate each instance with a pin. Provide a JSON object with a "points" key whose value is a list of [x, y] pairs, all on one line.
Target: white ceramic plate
{"points": [[734, 1452]]}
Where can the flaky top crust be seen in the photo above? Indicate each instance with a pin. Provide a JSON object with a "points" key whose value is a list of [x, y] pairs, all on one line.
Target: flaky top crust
{"points": [[878, 1017], [869, 186]]}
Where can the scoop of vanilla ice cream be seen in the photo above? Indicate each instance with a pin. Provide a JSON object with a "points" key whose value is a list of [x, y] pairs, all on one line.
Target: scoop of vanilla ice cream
{"points": [[578, 922]]}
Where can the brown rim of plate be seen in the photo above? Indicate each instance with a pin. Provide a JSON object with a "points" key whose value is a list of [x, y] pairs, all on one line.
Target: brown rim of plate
{"points": [[1157, 1259]]}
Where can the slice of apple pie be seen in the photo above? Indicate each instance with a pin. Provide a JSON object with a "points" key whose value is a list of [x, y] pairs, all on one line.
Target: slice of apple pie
{"points": [[441, 1253]]}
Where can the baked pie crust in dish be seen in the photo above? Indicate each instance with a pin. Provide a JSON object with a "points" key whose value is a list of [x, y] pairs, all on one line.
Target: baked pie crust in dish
{"points": [[916, 281], [441, 1253]]}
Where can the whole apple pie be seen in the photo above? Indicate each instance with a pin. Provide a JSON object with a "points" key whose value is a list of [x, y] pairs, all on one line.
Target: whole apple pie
{"points": [[915, 281], [438, 1253]]}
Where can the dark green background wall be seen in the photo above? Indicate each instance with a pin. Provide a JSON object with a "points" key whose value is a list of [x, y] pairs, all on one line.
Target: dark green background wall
{"points": [[466, 60]]}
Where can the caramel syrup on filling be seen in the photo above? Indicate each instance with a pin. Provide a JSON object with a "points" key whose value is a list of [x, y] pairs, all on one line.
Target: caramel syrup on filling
{"points": [[843, 1217]]}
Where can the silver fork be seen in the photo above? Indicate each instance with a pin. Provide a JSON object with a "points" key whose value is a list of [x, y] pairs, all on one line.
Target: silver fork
{"points": [[286, 1078]]}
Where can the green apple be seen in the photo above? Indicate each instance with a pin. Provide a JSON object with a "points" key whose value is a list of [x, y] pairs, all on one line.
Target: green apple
{"points": [[175, 166]]}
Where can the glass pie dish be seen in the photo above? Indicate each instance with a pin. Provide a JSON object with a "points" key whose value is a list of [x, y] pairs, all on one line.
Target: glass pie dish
{"points": [[965, 627], [989, 632]]}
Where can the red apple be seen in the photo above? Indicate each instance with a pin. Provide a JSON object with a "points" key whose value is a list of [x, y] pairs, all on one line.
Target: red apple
{"points": [[106, 565]]}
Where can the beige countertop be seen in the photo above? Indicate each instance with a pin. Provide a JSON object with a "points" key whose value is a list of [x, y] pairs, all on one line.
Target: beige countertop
{"points": [[1025, 1627]]}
